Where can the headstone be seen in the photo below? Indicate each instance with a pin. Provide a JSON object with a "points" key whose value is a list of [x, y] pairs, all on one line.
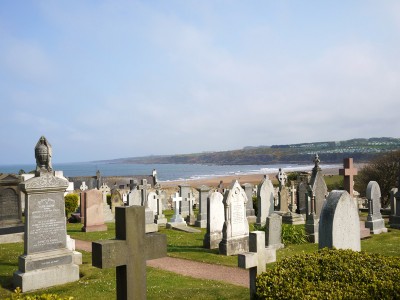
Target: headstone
{"points": [[318, 186], [293, 200], [283, 196], [82, 203], [204, 192], [339, 224], [124, 198], [176, 219], [46, 260], [301, 194], [107, 213], [220, 187], [273, 231], [291, 217], [159, 218], [184, 191], [116, 200], [190, 218], [235, 233], [144, 188], [265, 200], [393, 192], [312, 221], [152, 201], [94, 217], [215, 221], [250, 213], [256, 259], [134, 195], [129, 252], [374, 221], [348, 172], [83, 186], [11, 226]]}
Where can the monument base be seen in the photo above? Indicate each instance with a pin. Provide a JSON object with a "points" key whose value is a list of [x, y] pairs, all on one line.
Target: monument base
{"points": [[43, 278], [201, 223], [376, 226], [175, 224], [190, 220], [251, 219], [364, 232], [152, 227], [12, 238], [94, 228], [234, 246], [293, 219], [312, 230], [160, 220], [212, 241], [394, 221]]}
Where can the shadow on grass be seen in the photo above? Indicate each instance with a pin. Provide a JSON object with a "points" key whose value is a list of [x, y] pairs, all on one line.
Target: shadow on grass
{"points": [[6, 282], [191, 249]]}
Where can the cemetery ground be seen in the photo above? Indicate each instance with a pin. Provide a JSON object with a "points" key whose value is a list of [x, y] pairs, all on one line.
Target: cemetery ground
{"points": [[100, 283]]}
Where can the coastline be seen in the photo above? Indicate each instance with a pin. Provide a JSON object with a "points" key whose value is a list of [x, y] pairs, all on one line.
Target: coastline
{"points": [[213, 181]]}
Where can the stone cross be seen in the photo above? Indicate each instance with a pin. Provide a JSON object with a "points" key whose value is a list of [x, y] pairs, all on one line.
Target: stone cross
{"points": [[144, 187], [129, 251], [177, 201], [282, 177], [348, 172], [293, 205], [83, 186], [256, 259]]}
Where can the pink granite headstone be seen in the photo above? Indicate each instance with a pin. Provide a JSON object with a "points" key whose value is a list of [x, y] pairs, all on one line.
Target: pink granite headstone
{"points": [[94, 215]]}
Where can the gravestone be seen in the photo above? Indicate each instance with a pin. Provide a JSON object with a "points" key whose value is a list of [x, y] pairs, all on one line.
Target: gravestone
{"points": [[393, 192], [159, 218], [83, 186], [190, 218], [107, 213], [339, 224], [129, 252], [273, 231], [291, 217], [124, 198], [215, 221], [152, 202], [144, 188], [220, 187], [318, 186], [283, 192], [374, 221], [250, 213], [46, 260], [116, 200], [93, 214], [11, 226], [204, 192], [184, 192], [134, 195], [265, 200], [149, 213], [301, 194], [348, 172], [82, 207], [176, 219], [256, 259], [312, 221], [235, 233]]}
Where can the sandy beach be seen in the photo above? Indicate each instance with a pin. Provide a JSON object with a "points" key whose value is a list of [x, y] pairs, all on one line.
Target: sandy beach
{"points": [[227, 180]]}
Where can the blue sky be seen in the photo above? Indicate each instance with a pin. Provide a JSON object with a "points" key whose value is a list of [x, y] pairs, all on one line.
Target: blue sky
{"points": [[111, 79]]}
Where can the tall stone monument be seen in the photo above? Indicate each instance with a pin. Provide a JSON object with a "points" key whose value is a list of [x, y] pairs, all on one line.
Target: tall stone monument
{"points": [[204, 192], [11, 226], [215, 221], [235, 233], [46, 260], [318, 186], [250, 213], [265, 200], [93, 211], [283, 193]]}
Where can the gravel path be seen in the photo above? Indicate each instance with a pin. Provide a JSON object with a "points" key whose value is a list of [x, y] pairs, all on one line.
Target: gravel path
{"points": [[190, 268]]}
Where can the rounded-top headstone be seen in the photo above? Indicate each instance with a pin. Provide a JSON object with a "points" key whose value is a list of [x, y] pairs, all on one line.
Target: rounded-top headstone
{"points": [[373, 190], [339, 224]]}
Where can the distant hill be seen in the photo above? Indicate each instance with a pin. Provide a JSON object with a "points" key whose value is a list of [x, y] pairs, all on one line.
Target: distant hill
{"points": [[362, 150]]}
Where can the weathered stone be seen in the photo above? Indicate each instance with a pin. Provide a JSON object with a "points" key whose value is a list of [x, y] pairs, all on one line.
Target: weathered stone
{"points": [[265, 200], [116, 200], [283, 196], [273, 231], [184, 191], [108, 215], [176, 219], [256, 259], [250, 213], [339, 224], [129, 252], [94, 218], [301, 195], [215, 221], [318, 186], [375, 221], [204, 192], [235, 233]]}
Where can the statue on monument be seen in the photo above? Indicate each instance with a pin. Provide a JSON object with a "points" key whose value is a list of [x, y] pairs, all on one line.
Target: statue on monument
{"points": [[43, 153]]}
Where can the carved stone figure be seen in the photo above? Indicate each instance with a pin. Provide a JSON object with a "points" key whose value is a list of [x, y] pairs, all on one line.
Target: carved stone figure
{"points": [[43, 153]]}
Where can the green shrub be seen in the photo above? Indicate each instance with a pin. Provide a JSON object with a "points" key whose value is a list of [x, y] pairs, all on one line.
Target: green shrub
{"points": [[71, 203], [18, 296], [293, 234], [292, 176], [332, 274]]}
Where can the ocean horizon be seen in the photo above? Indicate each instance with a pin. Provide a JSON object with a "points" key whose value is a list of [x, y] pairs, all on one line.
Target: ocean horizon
{"points": [[165, 172]]}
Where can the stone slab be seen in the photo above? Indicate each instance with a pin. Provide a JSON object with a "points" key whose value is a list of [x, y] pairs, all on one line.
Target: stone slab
{"points": [[12, 238], [184, 228]]}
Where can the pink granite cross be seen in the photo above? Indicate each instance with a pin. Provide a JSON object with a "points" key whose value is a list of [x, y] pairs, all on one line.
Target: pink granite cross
{"points": [[348, 172]]}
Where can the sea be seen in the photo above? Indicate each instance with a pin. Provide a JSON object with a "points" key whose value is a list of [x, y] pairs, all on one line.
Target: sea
{"points": [[165, 172]]}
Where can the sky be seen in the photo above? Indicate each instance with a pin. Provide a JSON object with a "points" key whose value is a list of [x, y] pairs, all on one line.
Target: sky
{"points": [[112, 79]]}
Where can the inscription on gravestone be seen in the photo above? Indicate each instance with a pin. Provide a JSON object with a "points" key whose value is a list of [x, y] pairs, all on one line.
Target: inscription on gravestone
{"points": [[46, 223]]}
